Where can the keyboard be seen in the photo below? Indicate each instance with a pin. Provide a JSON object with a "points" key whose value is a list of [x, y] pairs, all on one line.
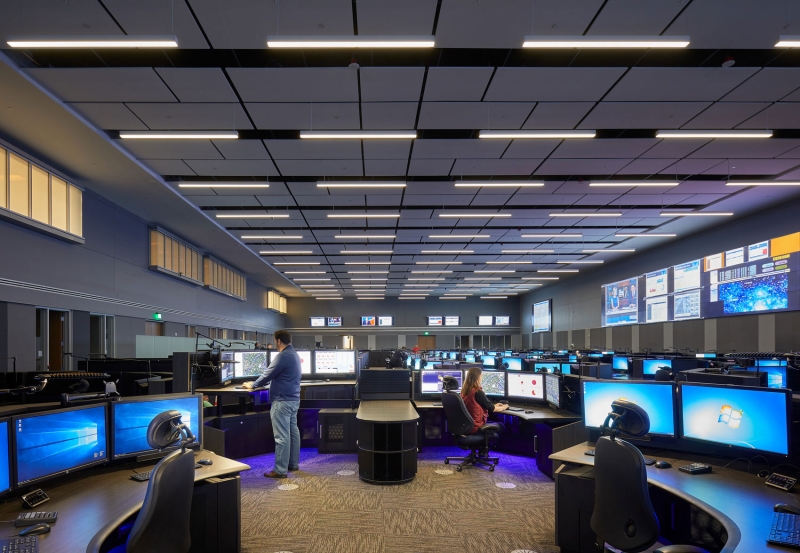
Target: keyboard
{"points": [[29, 518], [22, 544], [647, 460], [515, 409], [696, 468], [785, 530]]}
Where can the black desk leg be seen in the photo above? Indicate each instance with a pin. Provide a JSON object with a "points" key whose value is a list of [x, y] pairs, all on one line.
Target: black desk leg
{"points": [[243, 404]]}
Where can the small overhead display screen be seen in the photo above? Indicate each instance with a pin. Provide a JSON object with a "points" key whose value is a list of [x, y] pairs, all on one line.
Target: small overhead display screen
{"points": [[385, 321], [317, 321], [485, 320], [435, 321], [503, 320], [334, 321], [452, 321], [368, 321]]}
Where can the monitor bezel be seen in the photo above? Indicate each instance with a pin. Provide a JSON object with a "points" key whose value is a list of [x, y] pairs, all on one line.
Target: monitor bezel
{"points": [[150, 453], [521, 364], [12, 480], [675, 428], [324, 320], [557, 378], [267, 353], [15, 418], [505, 382], [434, 395], [525, 398], [787, 393]]}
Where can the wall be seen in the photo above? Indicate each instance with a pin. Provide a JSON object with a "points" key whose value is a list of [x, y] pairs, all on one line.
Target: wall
{"points": [[577, 301]]}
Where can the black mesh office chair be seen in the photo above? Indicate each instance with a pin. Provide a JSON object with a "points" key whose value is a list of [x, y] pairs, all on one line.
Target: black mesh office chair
{"points": [[459, 422], [663, 375], [623, 515], [163, 522]]}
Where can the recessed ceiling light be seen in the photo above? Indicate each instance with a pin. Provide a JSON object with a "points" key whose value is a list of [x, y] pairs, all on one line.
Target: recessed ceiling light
{"points": [[527, 251], [362, 216], [788, 41], [537, 134], [494, 271], [479, 215], [452, 252], [296, 263], [439, 262], [714, 134], [365, 252], [185, 135], [358, 135], [129, 41], [593, 214], [270, 237], [459, 236], [609, 251], [696, 213], [252, 216], [362, 41], [222, 185], [558, 271], [364, 236], [645, 235], [606, 42], [287, 252], [552, 235], [499, 184], [764, 183], [584, 262], [361, 185], [622, 183]]}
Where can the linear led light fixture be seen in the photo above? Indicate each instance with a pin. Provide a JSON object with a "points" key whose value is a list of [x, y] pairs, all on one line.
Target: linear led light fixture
{"points": [[480, 215], [361, 185], [311, 279], [362, 216], [584, 262], [493, 297], [647, 235], [368, 263], [371, 297], [713, 134], [458, 293], [367, 272], [369, 286], [178, 135], [508, 262], [268, 237], [788, 41], [365, 252], [364, 41], [606, 42], [558, 271], [451, 252], [439, 263], [317, 285], [552, 235], [426, 278], [510, 293], [412, 297], [459, 236], [527, 251], [297, 263], [696, 213], [287, 252], [304, 272], [453, 298], [430, 272], [361, 236], [222, 185], [129, 41], [331, 298], [369, 279], [609, 251], [253, 216], [536, 134], [539, 278], [764, 183], [495, 271], [422, 285], [499, 184], [358, 135], [611, 214], [622, 183], [483, 278]]}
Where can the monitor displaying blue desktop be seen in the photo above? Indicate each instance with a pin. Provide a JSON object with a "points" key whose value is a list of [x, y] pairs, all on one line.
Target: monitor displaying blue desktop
{"points": [[514, 363], [650, 366], [525, 385], [130, 419], [619, 363], [656, 398], [533, 356], [493, 383], [453, 355], [492, 353], [546, 367], [487, 360], [770, 362], [55, 442], [414, 364], [431, 381], [776, 375], [567, 368], [508, 353], [5, 460], [573, 358], [552, 390], [750, 418], [595, 355], [469, 357]]}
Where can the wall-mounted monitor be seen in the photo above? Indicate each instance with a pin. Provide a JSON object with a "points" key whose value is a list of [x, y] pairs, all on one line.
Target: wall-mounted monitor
{"points": [[435, 321], [620, 303], [334, 361], [525, 385], [452, 321], [494, 383], [502, 320], [369, 321], [656, 398], [334, 321], [317, 321], [385, 321], [686, 276], [541, 316], [250, 363], [656, 283], [485, 320]]}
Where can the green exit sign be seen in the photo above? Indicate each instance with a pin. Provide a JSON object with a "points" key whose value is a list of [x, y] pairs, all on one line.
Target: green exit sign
{"points": [[427, 333], [156, 316]]}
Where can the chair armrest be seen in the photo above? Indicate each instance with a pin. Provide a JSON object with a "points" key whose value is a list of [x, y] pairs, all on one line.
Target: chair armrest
{"points": [[679, 549], [489, 427]]}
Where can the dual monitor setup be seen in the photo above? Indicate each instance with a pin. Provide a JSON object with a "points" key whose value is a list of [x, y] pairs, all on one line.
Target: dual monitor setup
{"points": [[42, 445], [329, 363]]}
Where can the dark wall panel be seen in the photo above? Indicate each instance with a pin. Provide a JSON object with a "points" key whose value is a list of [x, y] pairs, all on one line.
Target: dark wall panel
{"points": [[125, 331], [303, 341], [690, 334], [787, 331], [175, 329], [562, 339], [547, 339], [18, 335], [362, 341], [81, 342], [651, 336], [385, 341], [737, 334], [622, 337], [597, 336]]}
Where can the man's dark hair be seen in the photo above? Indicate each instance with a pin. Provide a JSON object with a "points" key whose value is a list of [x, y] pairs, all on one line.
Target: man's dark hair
{"points": [[284, 336]]}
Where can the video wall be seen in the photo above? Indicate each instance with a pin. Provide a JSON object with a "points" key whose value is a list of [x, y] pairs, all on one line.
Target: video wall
{"points": [[760, 277]]}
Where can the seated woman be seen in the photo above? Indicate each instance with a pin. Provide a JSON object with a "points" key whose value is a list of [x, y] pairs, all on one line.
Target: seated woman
{"points": [[476, 401]]}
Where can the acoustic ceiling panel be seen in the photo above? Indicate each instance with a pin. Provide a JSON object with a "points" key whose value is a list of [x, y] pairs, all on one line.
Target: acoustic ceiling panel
{"points": [[783, 115], [155, 17], [530, 148], [641, 115], [183, 116], [557, 115], [198, 84], [391, 84], [581, 166], [473, 115], [317, 168], [385, 167], [386, 149], [114, 116], [295, 84], [744, 148], [169, 166], [104, 84], [678, 84], [456, 84], [314, 149], [517, 167], [604, 148], [241, 149], [634, 18], [552, 84], [388, 115], [646, 166], [389, 17], [233, 168], [451, 148], [171, 149], [322, 116], [725, 115], [770, 84], [429, 167]]}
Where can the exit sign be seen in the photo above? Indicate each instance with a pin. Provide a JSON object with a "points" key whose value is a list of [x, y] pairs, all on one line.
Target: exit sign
{"points": [[156, 316], [427, 333]]}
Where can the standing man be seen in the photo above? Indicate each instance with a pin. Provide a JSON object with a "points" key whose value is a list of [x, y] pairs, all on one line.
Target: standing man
{"points": [[284, 393]]}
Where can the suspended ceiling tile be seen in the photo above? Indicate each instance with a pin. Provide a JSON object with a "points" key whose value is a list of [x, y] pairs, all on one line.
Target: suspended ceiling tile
{"points": [[241, 149], [386, 149], [702, 187], [173, 116], [339, 199], [646, 166], [429, 167], [634, 17], [456, 84], [317, 168], [224, 201], [489, 197], [581, 166], [725, 115], [473, 115], [171, 149], [391, 84], [692, 166], [155, 17], [296, 84], [442, 187], [389, 17], [770, 84], [675, 148], [452, 147], [758, 166], [552, 84], [104, 84], [783, 115], [704, 199], [301, 189], [385, 200], [604, 148], [55, 19], [233, 168], [495, 166], [114, 116], [653, 199], [530, 148], [385, 167], [320, 116], [599, 199], [388, 115], [678, 84], [314, 149], [641, 115], [169, 166], [434, 199], [746, 148], [198, 84], [557, 115]]}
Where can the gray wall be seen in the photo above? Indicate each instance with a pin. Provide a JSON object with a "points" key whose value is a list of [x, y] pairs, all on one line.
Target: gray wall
{"points": [[577, 301]]}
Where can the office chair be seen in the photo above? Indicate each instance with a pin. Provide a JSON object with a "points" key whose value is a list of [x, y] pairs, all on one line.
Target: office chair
{"points": [[663, 375], [623, 515], [163, 522], [459, 421]]}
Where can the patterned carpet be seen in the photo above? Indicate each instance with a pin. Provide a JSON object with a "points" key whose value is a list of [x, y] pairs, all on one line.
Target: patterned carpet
{"points": [[434, 513]]}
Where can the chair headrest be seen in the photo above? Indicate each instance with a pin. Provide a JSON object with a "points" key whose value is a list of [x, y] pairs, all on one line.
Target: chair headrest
{"points": [[166, 428], [449, 383], [627, 418]]}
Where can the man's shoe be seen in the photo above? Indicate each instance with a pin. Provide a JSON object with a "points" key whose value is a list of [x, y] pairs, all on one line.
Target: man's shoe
{"points": [[273, 474], [292, 469]]}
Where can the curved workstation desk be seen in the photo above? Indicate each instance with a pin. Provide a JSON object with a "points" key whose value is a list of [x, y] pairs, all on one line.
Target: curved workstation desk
{"points": [[737, 501]]}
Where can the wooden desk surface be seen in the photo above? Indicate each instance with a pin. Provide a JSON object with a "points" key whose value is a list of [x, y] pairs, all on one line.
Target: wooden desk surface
{"points": [[740, 501], [386, 410], [93, 502], [540, 412]]}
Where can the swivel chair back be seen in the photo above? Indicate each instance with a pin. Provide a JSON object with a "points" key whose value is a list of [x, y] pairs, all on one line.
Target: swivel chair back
{"points": [[460, 423], [663, 375]]}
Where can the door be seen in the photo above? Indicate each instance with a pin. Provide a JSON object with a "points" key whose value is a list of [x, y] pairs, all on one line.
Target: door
{"points": [[57, 336], [348, 342], [426, 343]]}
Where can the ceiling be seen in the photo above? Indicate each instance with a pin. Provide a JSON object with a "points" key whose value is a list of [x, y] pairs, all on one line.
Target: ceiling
{"points": [[224, 78]]}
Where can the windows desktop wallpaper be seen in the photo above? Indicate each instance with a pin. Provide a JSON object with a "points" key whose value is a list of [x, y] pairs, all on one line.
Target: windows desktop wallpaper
{"points": [[132, 419], [765, 293]]}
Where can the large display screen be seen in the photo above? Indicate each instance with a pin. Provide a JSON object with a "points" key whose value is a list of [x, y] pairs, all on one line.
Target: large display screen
{"points": [[385, 321], [435, 321], [493, 383], [317, 321], [431, 381], [368, 321], [334, 321], [485, 320], [502, 320], [525, 385], [687, 305], [621, 303], [656, 309], [541, 316], [656, 398], [249, 363], [55, 442], [337, 361], [452, 321], [656, 283], [686, 276], [749, 418], [131, 419]]}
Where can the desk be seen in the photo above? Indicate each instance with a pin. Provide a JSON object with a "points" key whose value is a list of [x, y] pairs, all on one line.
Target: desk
{"points": [[242, 393], [740, 501], [91, 504], [540, 412]]}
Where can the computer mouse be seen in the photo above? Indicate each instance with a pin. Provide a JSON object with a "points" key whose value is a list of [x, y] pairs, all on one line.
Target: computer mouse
{"points": [[529, 411], [36, 529], [327, 380], [663, 465], [784, 508], [205, 462]]}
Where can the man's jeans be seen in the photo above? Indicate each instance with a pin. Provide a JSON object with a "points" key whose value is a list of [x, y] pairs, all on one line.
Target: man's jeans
{"points": [[287, 435]]}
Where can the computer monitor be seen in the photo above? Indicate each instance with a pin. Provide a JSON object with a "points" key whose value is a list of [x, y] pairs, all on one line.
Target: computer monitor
{"points": [[755, 419], [130, 418], [525, 386], [433, 365], [453, 355], [5, 456], [595, 355], [570, 368], [431, 381], [770, 362], [514, 363], [335, 361], [469, 357], [487, 360], [226, 369], [776, 375], [546, 367], [651, 366], [552, 390], [494, 383], [57, 442], [508, 353], [305, 360], [492, 353], [250, 363], [415, 364], [656, 398], [620, 363]]}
